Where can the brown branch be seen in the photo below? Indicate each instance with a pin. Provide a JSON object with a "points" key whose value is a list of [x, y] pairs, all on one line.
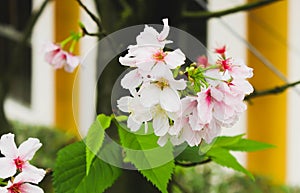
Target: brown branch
{"points": [[272, 91], [210, 14], [32, 21], [192, 164], [10, 33], [86, 32], [96, 19]]}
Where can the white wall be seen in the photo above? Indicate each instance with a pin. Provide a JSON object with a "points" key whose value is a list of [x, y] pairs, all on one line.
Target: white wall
{"points": [[293, 158], [42, 97], [87, 73], [218, 35]]}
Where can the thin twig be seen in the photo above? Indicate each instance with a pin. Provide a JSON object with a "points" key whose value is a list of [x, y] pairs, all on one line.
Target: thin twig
{"points": [[272, 91], [86, 32], [192, 164], [96, 19], [10, 33], [49, 171], [32, 21], [209, 14]]}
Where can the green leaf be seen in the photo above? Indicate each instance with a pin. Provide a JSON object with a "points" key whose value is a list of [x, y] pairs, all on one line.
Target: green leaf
{"points": [[224, 141], [191, 155], [160, 176], [153, 162], [95, 138], [237, 143], [224, 158], [249, 145], [70, 172]]}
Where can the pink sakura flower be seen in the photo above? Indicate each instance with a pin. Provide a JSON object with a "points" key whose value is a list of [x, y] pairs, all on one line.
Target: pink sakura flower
{"points": [[192, 129], [151, 37], [58, 58], [148, 52], [146, 58], [207, 98], [239, 70], [202, 61], [23, 183], [16, 159], [235, 68]]}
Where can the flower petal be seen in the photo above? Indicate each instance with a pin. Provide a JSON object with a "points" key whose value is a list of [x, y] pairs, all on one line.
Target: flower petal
{"points": [[165, 32], [29, 188], [8, 146], [148, 37], [124, 103], [174, 59], [211, 131], [150, 95], [169, 100], [59, 60], [193, 138], [3, 190], [8, 167], [216, 94], [128, 61], [28, 148], [131, 80], [30, 174], [49, 46], [133, 125], [71, 62], [178, 84], [160, 124], [163, 140], [160, 70]]}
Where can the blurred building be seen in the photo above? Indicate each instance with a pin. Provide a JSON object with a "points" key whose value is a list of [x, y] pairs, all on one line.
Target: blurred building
{"points": [[267, 38]]}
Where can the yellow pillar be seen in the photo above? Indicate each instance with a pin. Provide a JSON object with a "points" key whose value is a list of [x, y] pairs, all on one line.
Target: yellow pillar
{"points": [[66, 21], [267, 115]]}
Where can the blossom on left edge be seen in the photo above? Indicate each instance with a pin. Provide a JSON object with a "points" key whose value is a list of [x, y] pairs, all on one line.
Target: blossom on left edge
{"points": [[23, 183], [17, 159]]}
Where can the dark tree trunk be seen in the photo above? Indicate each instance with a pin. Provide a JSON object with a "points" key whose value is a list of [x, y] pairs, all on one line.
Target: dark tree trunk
{"points": [[5, 127]]}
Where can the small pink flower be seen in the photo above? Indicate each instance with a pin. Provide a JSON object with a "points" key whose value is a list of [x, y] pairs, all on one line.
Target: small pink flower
{"points": [[202, 61], [220, 50], [58, 58], [22, 183], [16, 159]]}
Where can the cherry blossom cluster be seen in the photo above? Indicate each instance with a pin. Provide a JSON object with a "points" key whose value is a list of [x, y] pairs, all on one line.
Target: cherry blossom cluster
{"points": [[16, 171], [188, 106]]}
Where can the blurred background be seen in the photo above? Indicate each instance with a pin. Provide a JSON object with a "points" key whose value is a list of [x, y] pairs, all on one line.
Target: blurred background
{"points": [[37, 101]]}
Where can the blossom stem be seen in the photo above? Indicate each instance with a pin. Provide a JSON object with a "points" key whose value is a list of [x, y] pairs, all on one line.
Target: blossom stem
{"points": [[64, 42], [72, 47], [2, 183], [210, 14], [211, 78], [210, 67]]}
